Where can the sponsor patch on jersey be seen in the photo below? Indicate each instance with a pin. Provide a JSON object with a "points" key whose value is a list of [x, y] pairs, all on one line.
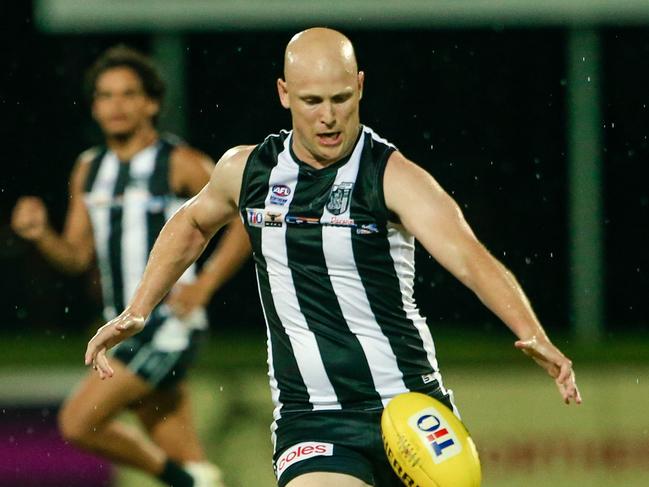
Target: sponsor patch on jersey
{"points": [[436, 433], [273, 218], [367, 228], [279, 194], [255, 217], [302, 451], [342, 222], [281, 190], [301, 220], [339, 198], [276, 200], [262, 217]]}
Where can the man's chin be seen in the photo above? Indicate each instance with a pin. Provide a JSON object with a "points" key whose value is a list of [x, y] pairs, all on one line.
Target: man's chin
{"points": [[119, 135]]}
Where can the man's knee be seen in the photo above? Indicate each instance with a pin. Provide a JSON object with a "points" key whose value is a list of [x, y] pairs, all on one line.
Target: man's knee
{"points": [[74, 427]]}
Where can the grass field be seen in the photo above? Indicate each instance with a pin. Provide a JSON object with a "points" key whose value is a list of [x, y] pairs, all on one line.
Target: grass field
{"points": [[525, 434]]}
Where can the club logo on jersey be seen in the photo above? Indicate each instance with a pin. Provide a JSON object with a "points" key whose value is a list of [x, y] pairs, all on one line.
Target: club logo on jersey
{"points": [[279, 194], [436, 433], [301, 451], [339, 198]]}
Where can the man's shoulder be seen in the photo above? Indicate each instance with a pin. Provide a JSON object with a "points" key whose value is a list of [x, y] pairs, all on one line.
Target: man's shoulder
{"points": [[237, 155], [90, 154]]}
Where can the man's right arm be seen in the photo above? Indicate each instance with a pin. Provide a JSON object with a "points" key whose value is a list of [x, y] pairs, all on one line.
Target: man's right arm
{"points": [[72, 251], [180, 243]]}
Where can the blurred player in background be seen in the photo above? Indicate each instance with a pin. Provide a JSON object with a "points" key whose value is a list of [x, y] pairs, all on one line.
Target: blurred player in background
{"points": [[121, 195], [332, 210]]}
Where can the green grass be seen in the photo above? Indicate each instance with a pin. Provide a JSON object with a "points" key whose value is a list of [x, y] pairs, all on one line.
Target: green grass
{"points": [[231, 350], [525, 435]]}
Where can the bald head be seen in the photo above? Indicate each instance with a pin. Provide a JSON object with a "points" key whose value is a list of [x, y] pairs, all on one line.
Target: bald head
{"points": [[318, 50]]}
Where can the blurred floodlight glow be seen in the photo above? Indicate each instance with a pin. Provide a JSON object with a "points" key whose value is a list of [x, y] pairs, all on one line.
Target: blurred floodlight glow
{"points": [[156, 15]]}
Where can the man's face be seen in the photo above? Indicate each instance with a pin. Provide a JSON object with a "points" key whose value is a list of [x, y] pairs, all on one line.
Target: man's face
{"points": [[324, 106], [120, 106]]}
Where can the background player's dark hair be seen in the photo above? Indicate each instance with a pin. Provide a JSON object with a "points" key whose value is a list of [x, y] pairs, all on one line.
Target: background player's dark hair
{"points": [[124, 56]]}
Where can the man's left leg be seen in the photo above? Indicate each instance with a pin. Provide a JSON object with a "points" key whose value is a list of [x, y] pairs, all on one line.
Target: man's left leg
{"points": [[166, 414]]}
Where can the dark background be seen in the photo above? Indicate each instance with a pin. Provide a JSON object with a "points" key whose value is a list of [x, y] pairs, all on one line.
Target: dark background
{"points": [[482, 110]]}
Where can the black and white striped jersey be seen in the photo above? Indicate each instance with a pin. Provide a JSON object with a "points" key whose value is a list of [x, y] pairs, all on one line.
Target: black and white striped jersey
{"points": [[128, 202], [336, 280]]}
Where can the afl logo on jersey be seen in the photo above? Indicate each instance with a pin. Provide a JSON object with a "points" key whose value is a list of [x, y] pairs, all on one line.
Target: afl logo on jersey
{"points": [[281, 190]]}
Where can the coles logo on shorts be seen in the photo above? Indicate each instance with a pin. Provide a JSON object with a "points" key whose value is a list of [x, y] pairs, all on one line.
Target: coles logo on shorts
{"points": [[302, 451]]}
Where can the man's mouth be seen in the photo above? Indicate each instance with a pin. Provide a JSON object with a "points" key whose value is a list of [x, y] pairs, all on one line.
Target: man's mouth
{"points": [[330, 138]]}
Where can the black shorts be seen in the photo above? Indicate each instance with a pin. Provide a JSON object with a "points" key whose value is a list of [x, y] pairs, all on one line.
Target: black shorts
{"points": [[347, 442], [162, 353]]}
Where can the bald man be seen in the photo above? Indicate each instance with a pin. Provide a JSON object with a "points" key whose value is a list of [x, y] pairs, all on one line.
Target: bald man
{"points": [[332, 211]]}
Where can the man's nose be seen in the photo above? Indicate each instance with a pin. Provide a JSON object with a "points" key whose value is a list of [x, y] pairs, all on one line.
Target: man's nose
{"points": [[328, 114]]}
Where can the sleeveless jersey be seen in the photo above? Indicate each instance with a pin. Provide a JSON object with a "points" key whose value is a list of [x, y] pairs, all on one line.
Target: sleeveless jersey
{"points": [[128, 202], [335, 278]]}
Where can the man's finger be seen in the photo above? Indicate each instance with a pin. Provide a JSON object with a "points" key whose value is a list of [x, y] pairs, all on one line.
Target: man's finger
{"points": [[102, 363], [565, 372], [91, 352]]}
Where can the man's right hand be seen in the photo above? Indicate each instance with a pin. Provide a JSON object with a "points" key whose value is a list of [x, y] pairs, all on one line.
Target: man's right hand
{"points": [[29, 219], [115, 331]]}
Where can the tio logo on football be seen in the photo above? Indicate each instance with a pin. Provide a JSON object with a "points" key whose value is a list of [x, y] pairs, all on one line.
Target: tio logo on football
{"points": [[436, 433]]}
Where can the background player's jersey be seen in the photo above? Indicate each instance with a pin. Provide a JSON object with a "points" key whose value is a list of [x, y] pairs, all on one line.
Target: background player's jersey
{"points": [[335, 279], [128, 203]]}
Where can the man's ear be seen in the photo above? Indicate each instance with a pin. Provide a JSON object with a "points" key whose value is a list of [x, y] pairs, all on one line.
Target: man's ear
{"points": [[361, 81], [282, 90], [153, 108]]}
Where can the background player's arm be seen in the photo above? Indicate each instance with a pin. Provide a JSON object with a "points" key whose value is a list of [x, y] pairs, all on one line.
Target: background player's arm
{"points": [[73, 250], [190, 172], [433, 217], [180, 243]]}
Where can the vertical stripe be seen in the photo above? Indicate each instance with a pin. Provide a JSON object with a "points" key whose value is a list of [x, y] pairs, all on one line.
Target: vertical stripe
{"points": [[95, 164], [352, 298], [99, 203], [402, 250], [372, 255], [135, 208], [303, 342], [287, 386], [115, 236], [160, 190]]}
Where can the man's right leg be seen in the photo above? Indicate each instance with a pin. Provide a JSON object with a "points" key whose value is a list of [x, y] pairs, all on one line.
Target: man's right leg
{"points": [[326, 479], [87, 419]]}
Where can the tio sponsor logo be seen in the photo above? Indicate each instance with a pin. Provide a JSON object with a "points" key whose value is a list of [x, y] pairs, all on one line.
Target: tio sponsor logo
{"points": [[439, 436], [302, 451], [255, 217]]}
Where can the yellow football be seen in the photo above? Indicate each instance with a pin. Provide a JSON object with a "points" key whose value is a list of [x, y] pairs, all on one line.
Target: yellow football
{"points": [[427, 445]]}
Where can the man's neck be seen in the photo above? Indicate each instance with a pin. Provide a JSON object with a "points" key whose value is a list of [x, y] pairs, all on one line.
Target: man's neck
{"points": [[126, 147]]}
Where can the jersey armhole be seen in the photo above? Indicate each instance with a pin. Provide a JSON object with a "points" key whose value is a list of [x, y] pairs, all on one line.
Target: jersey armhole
{"points": [[380, 194], [245, 177]]}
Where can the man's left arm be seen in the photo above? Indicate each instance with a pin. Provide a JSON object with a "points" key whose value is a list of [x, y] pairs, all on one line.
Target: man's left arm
{"points": [[435, 219], [190, 171]]}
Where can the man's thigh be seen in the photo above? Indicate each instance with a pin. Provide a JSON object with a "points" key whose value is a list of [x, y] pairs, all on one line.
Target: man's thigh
{"points": [[326, 479]]}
